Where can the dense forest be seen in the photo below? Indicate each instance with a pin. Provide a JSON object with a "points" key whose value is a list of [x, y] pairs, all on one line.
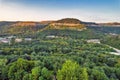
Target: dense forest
{"points": [[59, 54]]}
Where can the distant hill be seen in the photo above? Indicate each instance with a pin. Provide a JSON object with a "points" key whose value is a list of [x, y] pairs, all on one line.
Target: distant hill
{"points": [[75, 21], [20, 27], [4, 24], [46, 22], [67, 23], [106, 29], [90, 23], [110, 24], [23, 27]]}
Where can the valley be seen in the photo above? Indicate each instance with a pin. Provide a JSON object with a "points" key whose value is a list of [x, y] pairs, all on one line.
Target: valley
{"points": [[47, 50]]}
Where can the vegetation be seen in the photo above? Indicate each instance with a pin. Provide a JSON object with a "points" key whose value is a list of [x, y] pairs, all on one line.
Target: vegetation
{"points": [[112, 41], [69, 20], [18, 28], [106, 29], [65, 56], [72, 71], [58, 26]]}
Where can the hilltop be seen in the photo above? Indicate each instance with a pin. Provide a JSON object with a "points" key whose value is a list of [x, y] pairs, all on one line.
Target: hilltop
{"points": [[67, 23]]}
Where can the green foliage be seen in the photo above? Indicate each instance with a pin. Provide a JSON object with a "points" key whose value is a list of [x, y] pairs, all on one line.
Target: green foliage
{"points": [[36, 73], [97, 75], [46, 74], [18, 69], [72, 71], [69, 20], [42, 74], [112, 41], [43, 58], [27, 76]]}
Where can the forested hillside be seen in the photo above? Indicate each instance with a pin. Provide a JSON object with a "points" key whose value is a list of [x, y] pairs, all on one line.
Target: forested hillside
{"points": [[67, 56], [35, 51]]}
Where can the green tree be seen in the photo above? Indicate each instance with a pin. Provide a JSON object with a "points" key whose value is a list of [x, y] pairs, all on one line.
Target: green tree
{"points": [[36, 72], [46, 74], [12, 41], [27, 76], [18, 69], [72, 71], [98, 75]]}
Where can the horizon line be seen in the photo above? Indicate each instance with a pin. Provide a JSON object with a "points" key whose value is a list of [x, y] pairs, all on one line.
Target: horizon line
{"points": [[54, 20]]}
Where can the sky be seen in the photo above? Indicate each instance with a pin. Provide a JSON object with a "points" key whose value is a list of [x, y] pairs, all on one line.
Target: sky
{"points": [[41, 10]]}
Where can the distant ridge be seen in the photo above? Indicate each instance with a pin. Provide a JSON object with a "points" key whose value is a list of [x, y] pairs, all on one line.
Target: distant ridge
{"points": [[19, 27], [69, 20], [111, 23], [67, 23]]}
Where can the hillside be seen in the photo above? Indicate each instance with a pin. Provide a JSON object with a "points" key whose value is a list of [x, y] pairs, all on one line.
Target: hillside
{"points": [[47, 56], [49, 50], [20, 27], [46, 22], [67, 23], [106, 29]]}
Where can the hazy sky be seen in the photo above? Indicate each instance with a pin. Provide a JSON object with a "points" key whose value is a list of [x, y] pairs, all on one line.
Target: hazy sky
{"points": [[37, 10]]}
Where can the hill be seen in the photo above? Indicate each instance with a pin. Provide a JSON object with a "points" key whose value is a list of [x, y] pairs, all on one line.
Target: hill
{"points": [[106, 29], [20, 27], [46, 22], [110, 24], [67, 23], [25, 27], [90, 23]]}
